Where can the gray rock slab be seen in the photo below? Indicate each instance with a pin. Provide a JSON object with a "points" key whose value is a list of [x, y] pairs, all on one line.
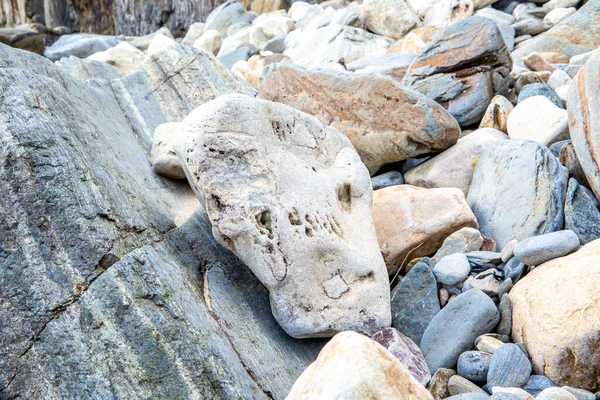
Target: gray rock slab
{"points": [[509, 367], [539, 249], [582, 214], [79, 45]]}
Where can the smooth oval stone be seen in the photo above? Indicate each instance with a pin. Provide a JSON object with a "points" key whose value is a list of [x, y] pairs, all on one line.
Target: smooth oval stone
{"points": [[580, 394], [509, 367], [459, 385], [555, 393], [469, 396], [508, 251], [461, 241], [452, 269], [518, 191], [539, 249], [415, 302], [390, 178], [581, 212], [474, 365], [539, 89], [500, 393], [454, 329], [536, 384]]}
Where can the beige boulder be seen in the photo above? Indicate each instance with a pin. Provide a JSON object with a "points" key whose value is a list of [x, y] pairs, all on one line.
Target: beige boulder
{"points": [[123, 56], [163, 156], [291, 198], [391, 18], [385, 121], [496, 115], [556, 310], [538, 119], [454, 167], [413, 222], [210, 41], [353, 367]]}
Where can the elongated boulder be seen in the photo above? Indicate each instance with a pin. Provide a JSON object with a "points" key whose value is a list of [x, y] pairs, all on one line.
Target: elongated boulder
{"points": [[463, 68], [413, 222], [555, 315], [353, 367], [454, 167], [518, 191], [385, 121], [290, 197], [583, 111]]}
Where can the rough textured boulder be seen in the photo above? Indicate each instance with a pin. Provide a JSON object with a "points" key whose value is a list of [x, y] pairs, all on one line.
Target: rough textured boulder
{"points": [[518, 191], [385, 121], [291, 198], [583, 113], [391, 18], [23, 37], [454, 167], [413, 222], [463, 68], [111, 285], [353, 367], [555, 315]]}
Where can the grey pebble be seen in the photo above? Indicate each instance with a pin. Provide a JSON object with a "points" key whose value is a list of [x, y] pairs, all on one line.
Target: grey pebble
{"points": [[540, 89], [390, 178], [539, 249], [474, 365], [509, 367]]}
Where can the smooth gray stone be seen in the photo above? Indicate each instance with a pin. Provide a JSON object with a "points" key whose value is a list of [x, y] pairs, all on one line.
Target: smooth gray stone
{"points": [[539, 249], [242, 53], [479, 258], [555, 393], [514, 270], [505, 308], [540, 89], [415, 302], [468, 396], [454, 329], [582, 214], [509, 367], [474, 365], [79, 45], [452, 269], [504, 396], [390, 178], [536, 384], [276, 45], [518, 191], [505, 287], [224, 15], [580, 394], [236, 27], [84, 69], [112, 287]]}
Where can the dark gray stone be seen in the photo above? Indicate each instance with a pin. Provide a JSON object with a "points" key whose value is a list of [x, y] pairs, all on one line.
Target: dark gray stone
{"points": [[581, 212], [413, 162], [474, 365], [539, 249], [454, 329], [555, 147], [415, 302], [390, 178], [518, 191], [276, 45], [514, 269], [505, 308], [242, 53], [540, 89], [479, 258], [79, 45], [568, 158], [509, 367]]}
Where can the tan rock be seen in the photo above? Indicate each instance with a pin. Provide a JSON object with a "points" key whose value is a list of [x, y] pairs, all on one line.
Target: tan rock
{"points": [[163, 156], [391, 18], [556, 310], [210, 41], [438, 385], [384, 121], [353, 367], [123, 56], [258, 62], [413, 222], [496, 115], [454, 167], [536, 62], [554, 57], [414, 41]]}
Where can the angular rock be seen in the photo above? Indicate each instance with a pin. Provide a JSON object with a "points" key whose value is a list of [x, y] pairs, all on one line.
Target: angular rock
{"points": [[454, 167], [438, 385], [454, 329], [123, 57], [79, 45], [415, 302], [413, 222], [509, 367], [513, 269], [555, 309], [194, 31], [387, 122], [406, 351], [317, 253], [23, 37], [496, 115], [459, 385], [452, 270], [210, 41], [352, 366], [549, 125], [480, 258], [488, 344], [391, 18], [474, 365], [163, 157], [386, 179], [447, 12], [539, 249], [505, 308], [568, 158], [442, 70], [462, 241], [225, 15], [488, 281], [518, 191], [582, 214]]}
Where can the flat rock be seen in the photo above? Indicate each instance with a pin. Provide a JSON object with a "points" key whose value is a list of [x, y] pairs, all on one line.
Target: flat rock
{"points": [[462, 241], [412, 221], [518, 191], [387, 122], [452, 269], [582, 214], [555, 309], [439, 71], [352, 366], [454, 167], [79, 45], [23, 37], [539, 249], [496, 115], [509, 367], [391, 18], [406, 351], [276, 232], [163, 156], [454, 329], [390, 178], [459, 385], [505, 308], [538, 119], [415, 302], [438, 385], [536, 384], [474, 365]]}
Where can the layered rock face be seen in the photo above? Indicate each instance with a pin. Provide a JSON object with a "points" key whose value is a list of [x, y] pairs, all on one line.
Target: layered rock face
{"points": [[291, 198], [111, 285]]}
